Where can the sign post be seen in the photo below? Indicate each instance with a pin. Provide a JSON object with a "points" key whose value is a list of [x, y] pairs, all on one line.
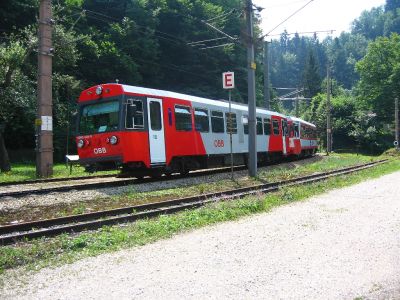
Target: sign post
{"points": [[228, 83]]}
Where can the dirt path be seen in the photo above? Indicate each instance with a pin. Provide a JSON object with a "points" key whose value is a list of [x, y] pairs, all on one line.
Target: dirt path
{"points": [[341, 245]]}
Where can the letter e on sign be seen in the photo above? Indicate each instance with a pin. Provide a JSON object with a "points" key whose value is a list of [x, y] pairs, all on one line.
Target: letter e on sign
{"points": [[228, 80]]}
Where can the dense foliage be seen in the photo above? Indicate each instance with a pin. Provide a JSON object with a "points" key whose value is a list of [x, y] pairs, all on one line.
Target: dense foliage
{"points": [[148, 43], [364, 65]]}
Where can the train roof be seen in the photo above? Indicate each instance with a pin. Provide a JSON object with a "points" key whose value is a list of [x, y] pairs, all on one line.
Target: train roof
{"points": [[302, 121], [221, 103]]}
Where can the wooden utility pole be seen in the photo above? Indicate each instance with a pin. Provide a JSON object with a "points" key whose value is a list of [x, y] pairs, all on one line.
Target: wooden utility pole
{"points": [[328, 111], [251, 89], [396, 117], [44, 121], [267, 96]]}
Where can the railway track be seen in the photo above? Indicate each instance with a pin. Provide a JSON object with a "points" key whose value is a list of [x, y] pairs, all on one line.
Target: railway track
{"points": [[115, 182], [51, 180], [45, 228]]}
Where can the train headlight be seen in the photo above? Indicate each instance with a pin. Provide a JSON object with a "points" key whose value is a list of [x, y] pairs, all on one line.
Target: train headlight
{"points": [[113, 140], [99, 90], [81, 143]]}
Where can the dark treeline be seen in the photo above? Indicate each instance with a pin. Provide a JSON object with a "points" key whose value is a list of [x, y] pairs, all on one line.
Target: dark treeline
{"points": [[148, 43]]}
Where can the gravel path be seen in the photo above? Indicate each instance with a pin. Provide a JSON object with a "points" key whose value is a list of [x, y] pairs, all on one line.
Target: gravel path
{"points": [[341, 245]]}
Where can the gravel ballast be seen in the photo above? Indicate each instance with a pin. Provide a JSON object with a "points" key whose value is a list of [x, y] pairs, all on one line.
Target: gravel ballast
{"points": [[37, 202], [344, 244]]}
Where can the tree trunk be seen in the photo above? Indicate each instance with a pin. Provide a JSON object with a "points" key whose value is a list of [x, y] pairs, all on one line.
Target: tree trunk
{"points": [[5, 165]]}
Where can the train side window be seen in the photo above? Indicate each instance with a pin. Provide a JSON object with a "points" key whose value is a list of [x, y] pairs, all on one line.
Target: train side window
{"points": [[134, 114], [285, 128], [291, 130], [267, 126], [183, 118], [259, 126], [155, 116], [217, 122], [296, 130], [231, 123], [245, 121], [304, 131], [275, 127], [201, 120]]}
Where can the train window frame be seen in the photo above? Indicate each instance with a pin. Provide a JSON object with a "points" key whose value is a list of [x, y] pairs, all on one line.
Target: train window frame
{"points": [[197, 121], [136, 114], [216, 125], [267, 126], [245, 124], [234, 122], [259, 126], [296, 130], [274, 128], [109, 108], [291, 130], [187, 112], [285, 131]]}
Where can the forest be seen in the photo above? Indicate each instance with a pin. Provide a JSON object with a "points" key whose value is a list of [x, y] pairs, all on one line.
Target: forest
{"points": [[153, 43]]}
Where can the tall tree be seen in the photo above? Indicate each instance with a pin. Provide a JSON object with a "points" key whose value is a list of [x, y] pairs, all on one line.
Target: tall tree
{"points": [[311, 78], [16, 94], [392, 5], [370, 23], [380, 77]]}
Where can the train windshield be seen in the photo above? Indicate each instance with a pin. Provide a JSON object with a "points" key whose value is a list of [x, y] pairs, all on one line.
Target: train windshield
{"points": [[99, 117]]}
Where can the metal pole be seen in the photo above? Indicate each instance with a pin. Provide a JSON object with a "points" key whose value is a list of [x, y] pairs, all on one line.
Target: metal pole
{"points": [[328, 112], [251, 87], [267, 96], [297, 103], [396, 112], [230, 131], [44, 122]]}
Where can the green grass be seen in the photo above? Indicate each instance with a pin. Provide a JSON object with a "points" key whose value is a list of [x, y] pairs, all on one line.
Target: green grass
{"points": [[65, 249], [21, 172]]}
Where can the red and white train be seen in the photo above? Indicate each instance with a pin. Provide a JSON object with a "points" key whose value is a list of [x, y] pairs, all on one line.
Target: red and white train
{"points": [[150, 132]]}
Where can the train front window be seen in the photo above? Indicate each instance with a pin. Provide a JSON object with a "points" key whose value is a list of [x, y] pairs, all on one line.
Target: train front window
{"points": [[99, 117]]}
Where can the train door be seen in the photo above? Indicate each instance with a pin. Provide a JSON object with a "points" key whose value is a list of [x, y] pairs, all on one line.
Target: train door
{"points": [[156, 131], [284, 135]]}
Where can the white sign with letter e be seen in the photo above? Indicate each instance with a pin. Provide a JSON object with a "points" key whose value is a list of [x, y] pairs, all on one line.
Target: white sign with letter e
{"points": [[228, 80]]}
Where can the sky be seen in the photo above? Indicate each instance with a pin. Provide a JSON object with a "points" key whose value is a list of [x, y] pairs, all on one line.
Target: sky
{"points": [[318, 15]]}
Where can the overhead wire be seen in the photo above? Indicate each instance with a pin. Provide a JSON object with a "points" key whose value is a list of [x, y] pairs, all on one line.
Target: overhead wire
{"points": [[285, 20], [159, 34], [283, 4], [306, 32]]}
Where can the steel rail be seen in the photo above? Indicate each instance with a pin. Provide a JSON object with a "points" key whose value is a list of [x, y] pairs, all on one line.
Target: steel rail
{"points": [[50, 180], [115, 183], [12, 233]]}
